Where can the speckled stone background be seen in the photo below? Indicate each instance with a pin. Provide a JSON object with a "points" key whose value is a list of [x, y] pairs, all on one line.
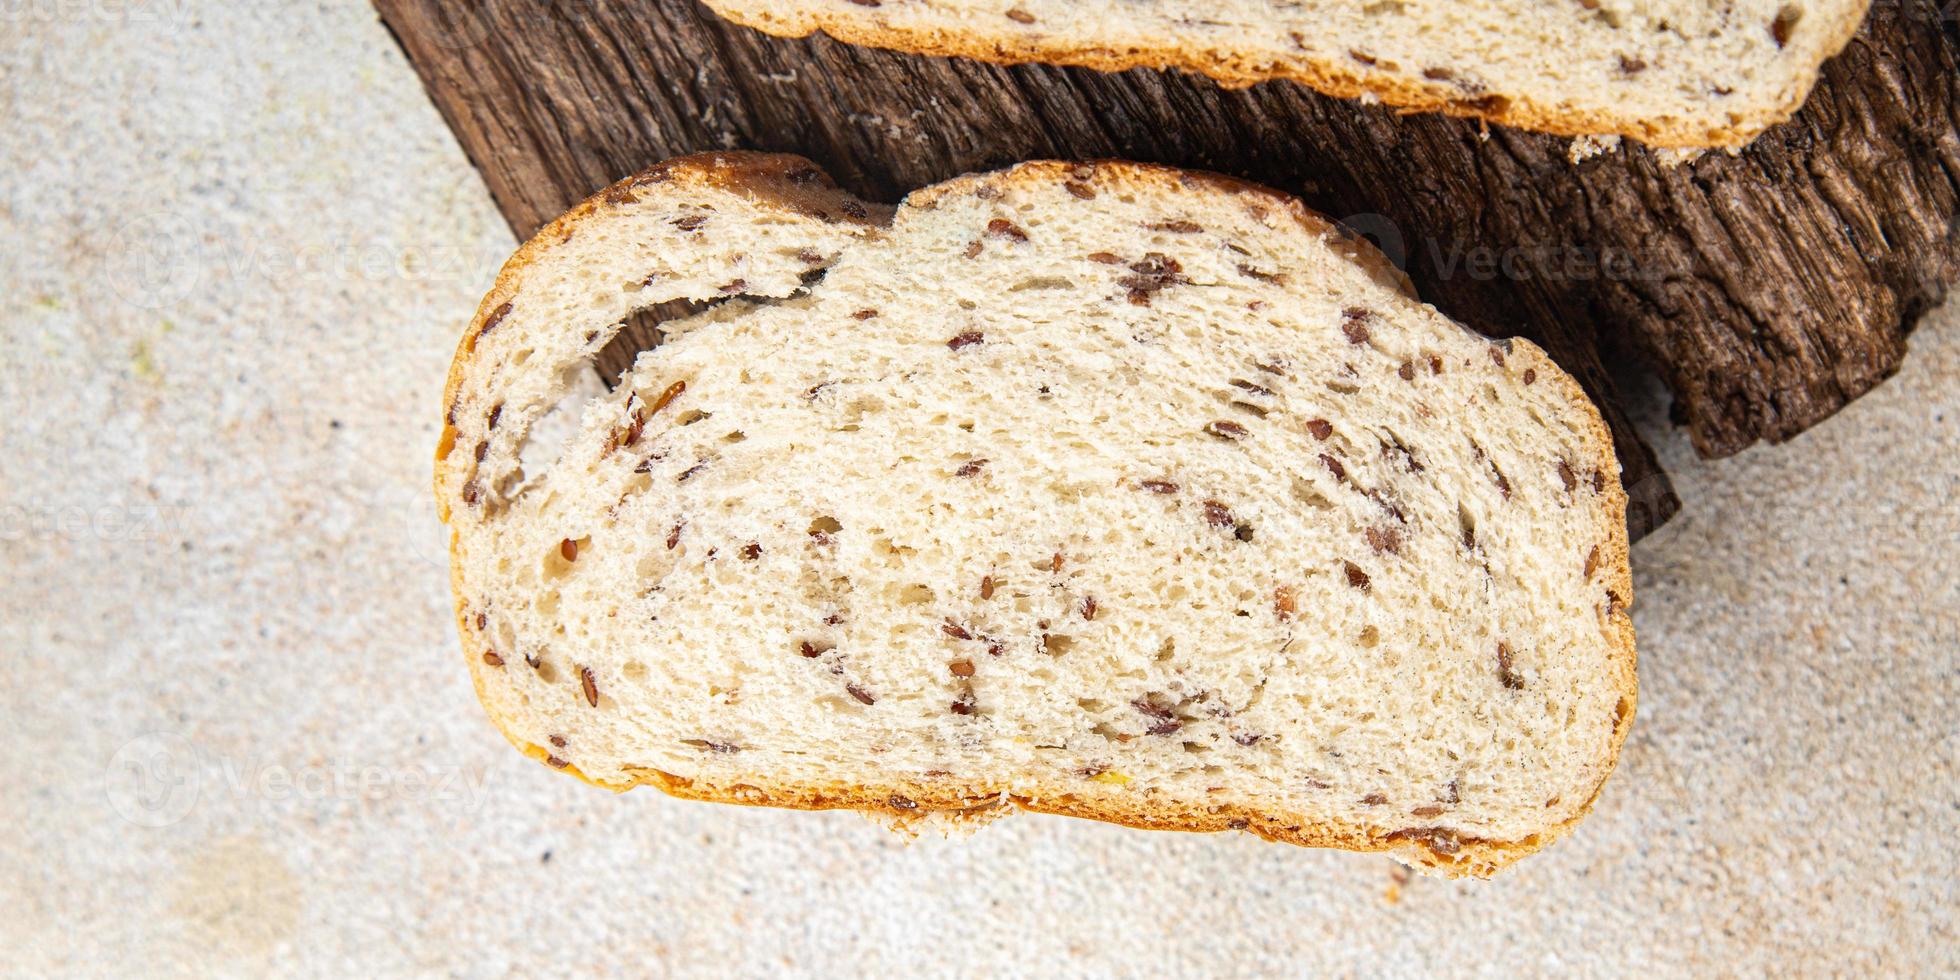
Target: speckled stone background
{"points": [[236, 247]]}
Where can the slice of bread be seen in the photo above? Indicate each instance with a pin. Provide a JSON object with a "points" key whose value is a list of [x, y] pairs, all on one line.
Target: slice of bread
{"points": [[1679, 73], [1104, 490]]}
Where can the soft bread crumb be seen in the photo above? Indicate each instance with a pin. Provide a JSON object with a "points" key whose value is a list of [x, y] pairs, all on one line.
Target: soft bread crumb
{"points": [[1100, 489]]}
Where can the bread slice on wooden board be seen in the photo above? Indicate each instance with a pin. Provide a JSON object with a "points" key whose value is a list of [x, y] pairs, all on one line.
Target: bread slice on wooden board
{"points": [[1680, 73], [1105, 490]]}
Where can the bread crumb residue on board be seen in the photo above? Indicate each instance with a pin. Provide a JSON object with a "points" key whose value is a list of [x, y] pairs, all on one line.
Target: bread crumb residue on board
{"points": [[1672, 157], [1584, 148]]}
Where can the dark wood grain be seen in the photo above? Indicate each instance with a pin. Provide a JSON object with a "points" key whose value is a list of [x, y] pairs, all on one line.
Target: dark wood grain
{"points": [[1767, 289]]}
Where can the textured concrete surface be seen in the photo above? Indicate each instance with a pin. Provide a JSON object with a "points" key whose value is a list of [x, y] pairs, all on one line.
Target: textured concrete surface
{"points": [[236, 245]]}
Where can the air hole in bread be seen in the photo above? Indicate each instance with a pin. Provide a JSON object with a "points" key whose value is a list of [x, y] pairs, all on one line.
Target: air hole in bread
{"points": [[545, 441], [891, 549], [1305, 492], [652, 567], [642, 332]]}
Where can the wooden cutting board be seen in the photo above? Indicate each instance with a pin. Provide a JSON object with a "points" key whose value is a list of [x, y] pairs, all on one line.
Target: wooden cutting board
{"points": [[1767, 288]]}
